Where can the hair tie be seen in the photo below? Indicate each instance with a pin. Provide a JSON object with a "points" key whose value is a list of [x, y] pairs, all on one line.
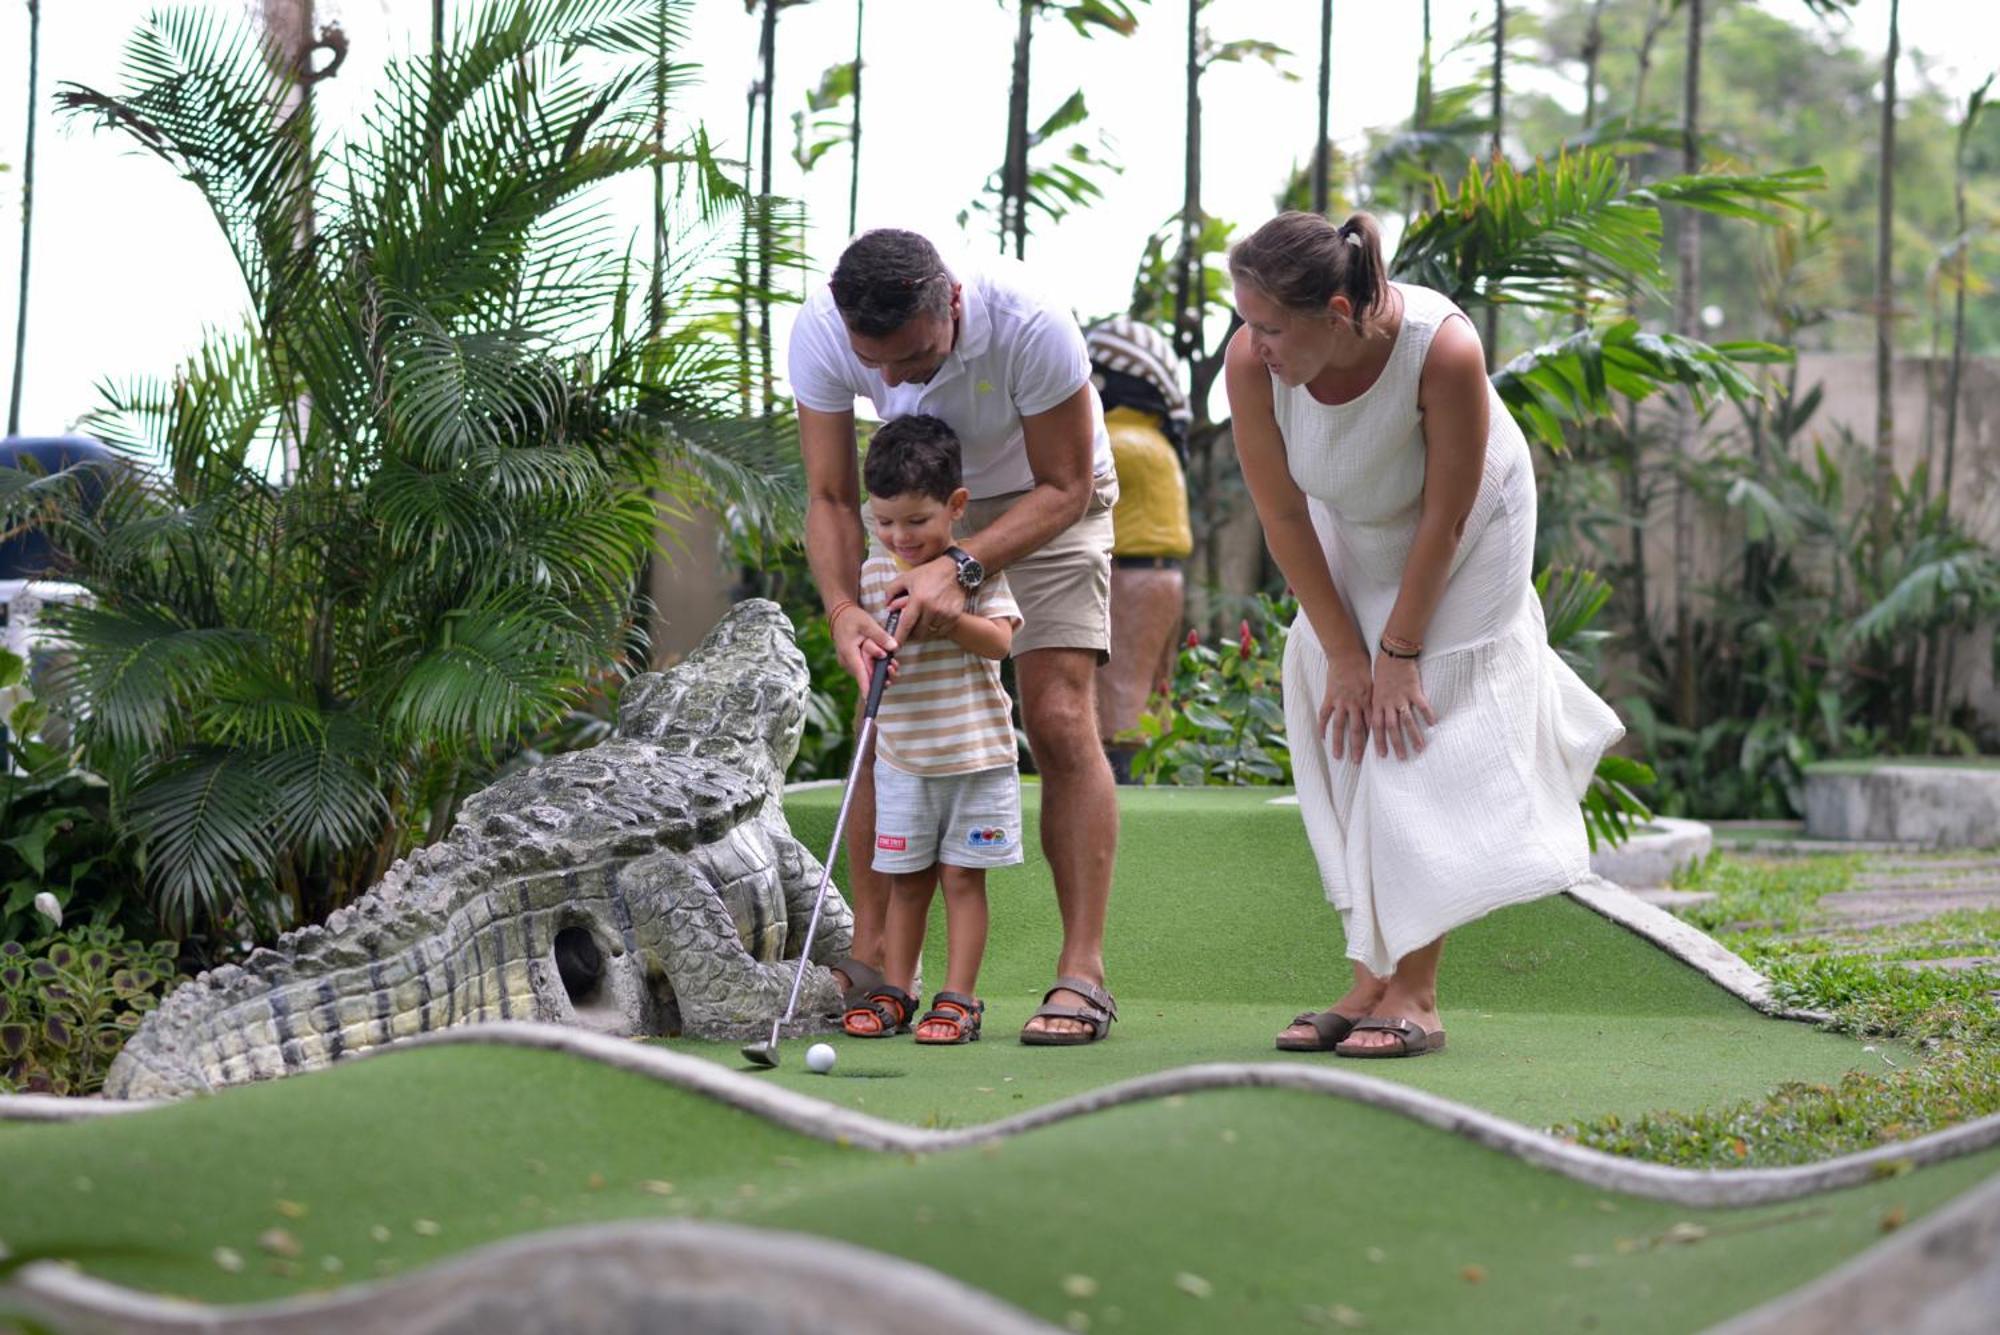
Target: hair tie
{"points": [[1353, 238]]}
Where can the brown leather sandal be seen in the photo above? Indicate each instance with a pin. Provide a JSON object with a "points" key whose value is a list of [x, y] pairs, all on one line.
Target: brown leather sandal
{"points": [[1098, 1012], [961, 1012], [883, 1013], [1329, 1028], [1412, 1039]]}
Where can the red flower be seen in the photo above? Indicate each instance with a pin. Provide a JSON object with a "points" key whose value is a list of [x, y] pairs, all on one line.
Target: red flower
{"points": [[1243, 641], [1194, 639]]}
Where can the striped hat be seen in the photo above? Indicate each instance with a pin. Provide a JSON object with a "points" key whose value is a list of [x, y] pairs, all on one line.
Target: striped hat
{"points": [[1125, 345]]}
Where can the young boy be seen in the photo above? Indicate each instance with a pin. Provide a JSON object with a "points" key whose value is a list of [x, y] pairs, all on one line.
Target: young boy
{"points": [[947, 786]]}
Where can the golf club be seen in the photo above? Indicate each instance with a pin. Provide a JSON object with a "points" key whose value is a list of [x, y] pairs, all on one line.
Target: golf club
{"points": [[766, 1053]]}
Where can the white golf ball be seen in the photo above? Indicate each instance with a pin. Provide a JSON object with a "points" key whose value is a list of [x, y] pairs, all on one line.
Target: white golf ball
{"points": [[819, 1058]]}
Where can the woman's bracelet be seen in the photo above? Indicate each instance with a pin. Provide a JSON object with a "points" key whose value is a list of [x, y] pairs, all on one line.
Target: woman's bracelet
{"points": [[1397, 647], [833, 613]]}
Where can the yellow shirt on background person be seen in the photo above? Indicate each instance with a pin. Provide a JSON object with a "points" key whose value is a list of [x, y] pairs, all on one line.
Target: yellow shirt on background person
{"points": [[1151, 517]]}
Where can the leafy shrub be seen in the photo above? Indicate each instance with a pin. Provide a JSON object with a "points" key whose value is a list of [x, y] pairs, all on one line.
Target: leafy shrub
{"points": [[65, 1012], [56, 831], [1222, 722]]}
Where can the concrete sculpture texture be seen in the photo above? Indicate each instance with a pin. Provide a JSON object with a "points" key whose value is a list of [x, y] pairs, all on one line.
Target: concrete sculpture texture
{"points": [[646, 886]]}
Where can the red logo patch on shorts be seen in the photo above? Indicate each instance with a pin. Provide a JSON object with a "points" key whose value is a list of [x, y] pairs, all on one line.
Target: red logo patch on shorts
{"points": [[891, 843]]}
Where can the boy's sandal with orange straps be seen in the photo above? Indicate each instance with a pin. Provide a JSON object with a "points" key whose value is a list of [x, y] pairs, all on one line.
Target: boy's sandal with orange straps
{"points": [[959, 1011], [883, 1013]]}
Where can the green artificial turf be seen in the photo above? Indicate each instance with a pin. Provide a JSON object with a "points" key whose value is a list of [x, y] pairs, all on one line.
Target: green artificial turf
{"points": [[1249, 1210], [1257, 1209], [1219, 934]]}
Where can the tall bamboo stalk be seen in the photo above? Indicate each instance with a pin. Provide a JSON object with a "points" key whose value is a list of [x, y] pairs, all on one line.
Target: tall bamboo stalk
{"points": [[854, 135], [1322, 169], [1014, 166], [1499, 72], [768, 49], [1882, 514], [1688, 299], [27, 219]]}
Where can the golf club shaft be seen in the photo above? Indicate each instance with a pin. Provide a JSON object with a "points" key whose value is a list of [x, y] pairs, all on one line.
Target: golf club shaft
{"points": [[877, 680]]}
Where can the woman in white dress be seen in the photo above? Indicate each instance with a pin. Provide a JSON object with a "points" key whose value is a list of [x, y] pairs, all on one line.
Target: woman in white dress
{"points": [[1439, 745]]}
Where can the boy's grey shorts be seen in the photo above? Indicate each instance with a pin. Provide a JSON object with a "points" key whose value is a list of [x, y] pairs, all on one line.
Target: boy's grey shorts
{"points": [[960, 820]]}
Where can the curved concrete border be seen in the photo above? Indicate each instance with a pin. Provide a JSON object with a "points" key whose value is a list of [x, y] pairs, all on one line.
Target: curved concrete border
{"points": [[693, 1277], [1939, 1276], [808, 1116], [1653, 855]]}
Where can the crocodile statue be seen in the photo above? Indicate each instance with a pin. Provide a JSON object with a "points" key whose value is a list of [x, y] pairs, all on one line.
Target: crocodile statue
{"points": [[645, 886]]}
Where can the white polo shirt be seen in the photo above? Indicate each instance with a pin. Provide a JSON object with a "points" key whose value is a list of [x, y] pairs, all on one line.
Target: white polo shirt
{"points": [[1017, 354]]}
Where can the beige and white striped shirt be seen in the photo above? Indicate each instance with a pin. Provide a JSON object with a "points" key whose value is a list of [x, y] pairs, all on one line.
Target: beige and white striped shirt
{"points": [[947, 712]]}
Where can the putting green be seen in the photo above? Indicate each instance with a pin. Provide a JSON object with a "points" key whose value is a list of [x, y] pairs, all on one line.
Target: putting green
{"points": [[1264, 1209], [1219, 935], [1239, 1209]]}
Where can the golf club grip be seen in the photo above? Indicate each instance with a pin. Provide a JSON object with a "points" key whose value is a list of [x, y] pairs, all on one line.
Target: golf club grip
{"points": [[880, 677]]}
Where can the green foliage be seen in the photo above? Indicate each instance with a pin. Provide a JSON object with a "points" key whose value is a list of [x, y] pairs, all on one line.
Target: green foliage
{"points": [[56, 833], [67, 1007], [1068, 176], [1766, 910], [393, 524], [817, 130], [1813, 647], [1222, 722], [1804, 1123]]}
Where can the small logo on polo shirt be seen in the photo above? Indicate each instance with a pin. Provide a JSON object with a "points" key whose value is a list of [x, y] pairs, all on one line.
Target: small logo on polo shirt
{"points": [[987, 836], [986, 387], [891, 843]]}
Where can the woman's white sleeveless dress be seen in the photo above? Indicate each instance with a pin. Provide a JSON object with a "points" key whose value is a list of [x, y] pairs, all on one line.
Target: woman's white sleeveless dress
{"points": [[1487, 815]]}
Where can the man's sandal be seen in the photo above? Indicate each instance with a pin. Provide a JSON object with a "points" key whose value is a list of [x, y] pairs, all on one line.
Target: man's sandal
{"points": [[1329, 1028], [961, 1012], [883, 1013], [1412, 1039], [1098, 1011]]}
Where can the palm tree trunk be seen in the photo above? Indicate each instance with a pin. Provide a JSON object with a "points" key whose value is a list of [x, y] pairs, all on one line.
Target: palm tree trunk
{"points": [[743, 379], [1689, 301], [656, 292], [27, 219], [1323, 150], [768, 48], [854, 136], [1885, 209], [1421, 117], [1499, 88], [1951, 391], [1014, 167], [1187, 296]]}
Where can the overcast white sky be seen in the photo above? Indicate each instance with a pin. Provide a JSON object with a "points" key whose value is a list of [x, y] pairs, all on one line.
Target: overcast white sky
{"points": [[128, 268]]}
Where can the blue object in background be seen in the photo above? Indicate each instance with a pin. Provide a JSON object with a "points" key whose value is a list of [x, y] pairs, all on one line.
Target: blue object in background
{"points": [[27, 555]]}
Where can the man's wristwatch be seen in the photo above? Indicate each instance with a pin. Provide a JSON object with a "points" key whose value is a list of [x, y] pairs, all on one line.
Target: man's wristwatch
{"points": [[971, 574]]}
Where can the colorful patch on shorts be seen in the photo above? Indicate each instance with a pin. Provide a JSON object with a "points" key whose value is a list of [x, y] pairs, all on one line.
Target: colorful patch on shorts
{"points": [[986, 836], [892, 843]]}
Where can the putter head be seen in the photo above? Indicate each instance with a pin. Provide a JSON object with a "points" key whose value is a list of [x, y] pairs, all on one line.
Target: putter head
{"points": [[761, 1054]]}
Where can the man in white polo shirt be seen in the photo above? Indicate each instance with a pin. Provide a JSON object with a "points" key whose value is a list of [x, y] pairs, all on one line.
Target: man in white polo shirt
{"points": [[1007, 370]]}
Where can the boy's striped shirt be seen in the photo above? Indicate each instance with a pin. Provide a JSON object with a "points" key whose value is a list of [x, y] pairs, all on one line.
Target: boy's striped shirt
{"points": [[947, 712]]}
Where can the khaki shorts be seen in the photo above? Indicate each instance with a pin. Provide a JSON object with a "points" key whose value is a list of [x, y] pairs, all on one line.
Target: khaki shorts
{"points": [[1063, 587]]}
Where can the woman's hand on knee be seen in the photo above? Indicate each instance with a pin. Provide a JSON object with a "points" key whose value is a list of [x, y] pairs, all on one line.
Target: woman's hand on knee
{"points": [[1398, 710], [1345, 705]]}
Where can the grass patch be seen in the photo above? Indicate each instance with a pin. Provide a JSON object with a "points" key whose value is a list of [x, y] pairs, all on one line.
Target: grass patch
{"points": [[1953, 1016], [1802, 1122], [1762, 895]]}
